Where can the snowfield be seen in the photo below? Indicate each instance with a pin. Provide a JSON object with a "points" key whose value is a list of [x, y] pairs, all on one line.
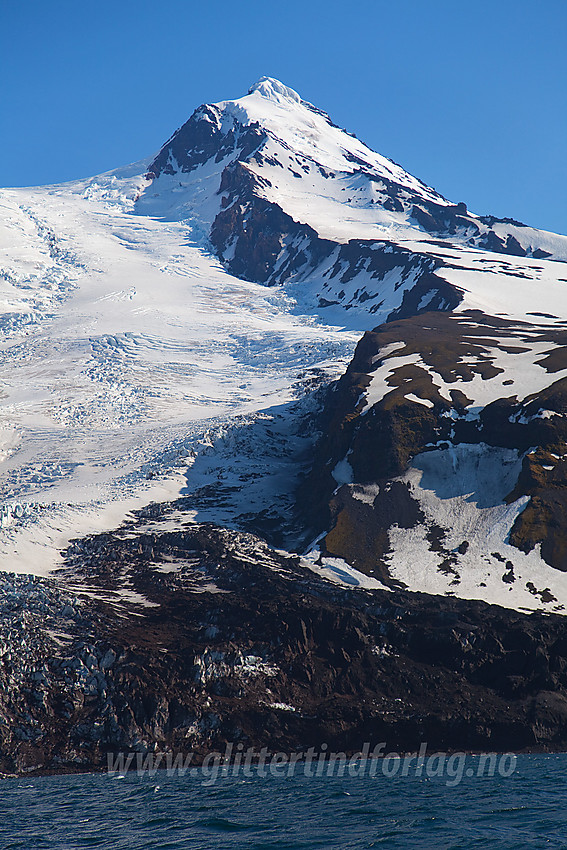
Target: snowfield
{"points": [[463, 489]]}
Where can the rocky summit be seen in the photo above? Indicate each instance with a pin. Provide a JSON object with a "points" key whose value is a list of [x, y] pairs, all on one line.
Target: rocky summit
{"points": [[282, 454]]}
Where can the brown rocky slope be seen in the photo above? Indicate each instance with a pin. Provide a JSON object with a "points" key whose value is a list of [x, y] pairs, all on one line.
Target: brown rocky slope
{"points": [[425, 407]]}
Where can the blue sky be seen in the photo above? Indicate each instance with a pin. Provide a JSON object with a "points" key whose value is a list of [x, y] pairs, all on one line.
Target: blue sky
{"points": [[469, 97]]}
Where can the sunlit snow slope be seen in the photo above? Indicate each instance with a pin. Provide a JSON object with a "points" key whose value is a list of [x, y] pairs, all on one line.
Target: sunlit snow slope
{"points": [[147, 310], [123, 343]]}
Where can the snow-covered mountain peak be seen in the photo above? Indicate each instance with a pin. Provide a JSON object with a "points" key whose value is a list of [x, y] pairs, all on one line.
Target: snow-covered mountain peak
{"points": [[271, 147], [146, 308], [301, 160], [274, 90], [307, 132]]}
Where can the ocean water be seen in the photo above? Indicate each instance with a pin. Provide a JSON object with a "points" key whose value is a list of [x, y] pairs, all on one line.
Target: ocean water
{"points": [[527, 809]]}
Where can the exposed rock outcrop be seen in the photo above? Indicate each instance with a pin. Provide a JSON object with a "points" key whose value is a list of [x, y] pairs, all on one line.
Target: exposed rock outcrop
{"points": [[430, 369], [232, 641]]}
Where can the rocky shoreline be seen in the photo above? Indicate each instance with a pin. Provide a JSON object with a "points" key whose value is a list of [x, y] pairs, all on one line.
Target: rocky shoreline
{"points": [[189, 639]]}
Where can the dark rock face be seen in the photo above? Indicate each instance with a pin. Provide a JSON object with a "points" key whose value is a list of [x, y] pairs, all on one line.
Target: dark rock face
{"points": [[431, 292], [236, 642], [380, 442], [258, 241], [359, 531], [202, 138], [258, 232], [435, 218], [508, 245], [544, 519], [53, 674]]}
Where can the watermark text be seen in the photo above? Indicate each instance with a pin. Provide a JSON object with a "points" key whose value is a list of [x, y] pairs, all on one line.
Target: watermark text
{"points": [[370, 761]]}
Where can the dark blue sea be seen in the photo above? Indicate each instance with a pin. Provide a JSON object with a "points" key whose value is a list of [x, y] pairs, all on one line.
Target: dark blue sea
{"points": [[527, 809]]}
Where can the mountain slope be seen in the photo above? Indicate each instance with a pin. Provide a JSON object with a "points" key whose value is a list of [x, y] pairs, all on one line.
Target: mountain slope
{"points": [[357, 240], [443, 459], [285, 196], [174, 337], [125, 349], [161, 322]]}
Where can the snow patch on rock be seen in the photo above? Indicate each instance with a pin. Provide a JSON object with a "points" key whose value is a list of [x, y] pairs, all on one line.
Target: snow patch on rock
{"points": [[461, 491]]}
